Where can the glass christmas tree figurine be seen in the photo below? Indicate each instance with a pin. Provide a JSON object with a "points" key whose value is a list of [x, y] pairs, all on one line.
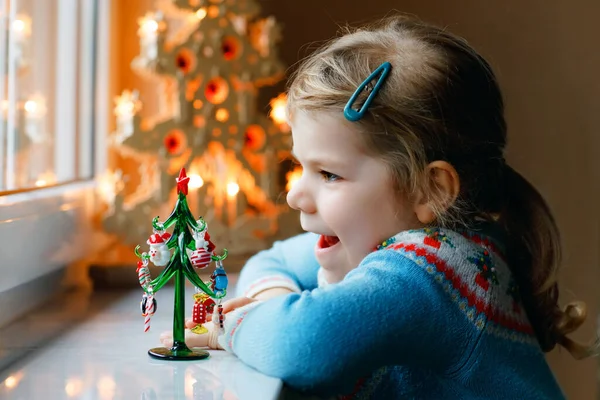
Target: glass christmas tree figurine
{"points": [[188, 248]]}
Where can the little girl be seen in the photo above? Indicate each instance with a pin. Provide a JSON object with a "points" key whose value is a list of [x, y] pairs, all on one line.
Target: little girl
{"points": [[430, 268]]}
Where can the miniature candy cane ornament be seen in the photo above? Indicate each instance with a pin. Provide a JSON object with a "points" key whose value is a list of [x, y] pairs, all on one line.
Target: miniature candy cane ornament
{"points": [[143, 273], [149, 311], [148, 304]]}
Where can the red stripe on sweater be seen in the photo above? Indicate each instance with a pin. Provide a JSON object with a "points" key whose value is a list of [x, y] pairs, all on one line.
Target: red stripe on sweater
{"points": [[275, 278], [492, 314]]}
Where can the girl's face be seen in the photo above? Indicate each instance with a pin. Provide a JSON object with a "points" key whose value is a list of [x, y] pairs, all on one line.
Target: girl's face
{"points": [[344, 194]]}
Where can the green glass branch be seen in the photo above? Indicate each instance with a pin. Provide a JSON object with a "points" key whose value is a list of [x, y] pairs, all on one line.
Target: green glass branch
{"points": [[189, 272], [195, 279], [190, 219], [157, 225], [141, 256], [164, 277], [181, 247], [157, 283], [221, 257], [173, 217], [197, 228], [162, 226], [185, 208], [191, 245], [203, 224]]}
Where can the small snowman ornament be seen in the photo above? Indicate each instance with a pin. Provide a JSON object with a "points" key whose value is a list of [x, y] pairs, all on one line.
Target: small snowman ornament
{"points": [[159, 252]]}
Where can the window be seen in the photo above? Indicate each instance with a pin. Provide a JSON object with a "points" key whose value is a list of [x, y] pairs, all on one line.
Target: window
{"points": [[47, 51], [54, 97]]}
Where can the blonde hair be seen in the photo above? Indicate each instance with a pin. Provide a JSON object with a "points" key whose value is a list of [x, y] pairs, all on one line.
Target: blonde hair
{"points": [[441, 101]]}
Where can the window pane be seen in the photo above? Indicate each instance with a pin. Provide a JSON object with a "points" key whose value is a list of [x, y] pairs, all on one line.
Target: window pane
{"points": [[47, 93]]}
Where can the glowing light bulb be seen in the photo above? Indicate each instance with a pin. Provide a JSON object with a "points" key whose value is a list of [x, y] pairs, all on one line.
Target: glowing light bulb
{"points": [[149, 26], [195, 182], [201, 13], [18, 25], [30, 106], [222, 115], [278, 105], [232, 189], [11, 382], [74, 387], [21, 28]]}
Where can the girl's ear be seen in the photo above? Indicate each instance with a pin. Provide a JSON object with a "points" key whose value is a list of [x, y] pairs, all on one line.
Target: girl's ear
{"points": [[443, 189]]}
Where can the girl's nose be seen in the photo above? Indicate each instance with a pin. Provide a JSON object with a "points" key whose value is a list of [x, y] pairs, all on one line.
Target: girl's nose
{"points": [[299, 197]]}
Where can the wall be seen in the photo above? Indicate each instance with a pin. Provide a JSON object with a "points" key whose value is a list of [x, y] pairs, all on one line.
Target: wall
{"points": [[546, 56]]}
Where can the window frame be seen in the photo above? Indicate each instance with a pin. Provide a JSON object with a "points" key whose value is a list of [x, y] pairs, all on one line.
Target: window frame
{"points": [[50, 227]]}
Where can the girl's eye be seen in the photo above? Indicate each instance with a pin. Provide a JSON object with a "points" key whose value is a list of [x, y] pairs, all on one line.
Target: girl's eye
{"points": [[328, 176]]}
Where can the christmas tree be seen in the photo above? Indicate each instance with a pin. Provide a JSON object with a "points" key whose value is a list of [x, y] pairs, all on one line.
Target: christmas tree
{"points": [[193, 249], [211, 57]]}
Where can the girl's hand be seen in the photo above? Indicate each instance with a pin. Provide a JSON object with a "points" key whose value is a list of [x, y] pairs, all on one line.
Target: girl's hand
{"points": [[195, 340], [228, 306], [191, 339], [238, 302]]}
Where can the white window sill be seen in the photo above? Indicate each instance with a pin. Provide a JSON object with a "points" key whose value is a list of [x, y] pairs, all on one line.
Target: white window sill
{"points": [[41, 232], [43, 192]]}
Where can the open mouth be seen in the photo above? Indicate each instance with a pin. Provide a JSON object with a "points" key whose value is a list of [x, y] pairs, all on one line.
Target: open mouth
{"points": [[327, 241]]}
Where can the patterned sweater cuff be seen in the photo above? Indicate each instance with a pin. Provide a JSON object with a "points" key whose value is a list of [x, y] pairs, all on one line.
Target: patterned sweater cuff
{"points": [[270, 282], [232, 322]]}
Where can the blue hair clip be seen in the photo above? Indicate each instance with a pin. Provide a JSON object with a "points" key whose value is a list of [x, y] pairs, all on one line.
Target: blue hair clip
{"points": [[351, 114]]}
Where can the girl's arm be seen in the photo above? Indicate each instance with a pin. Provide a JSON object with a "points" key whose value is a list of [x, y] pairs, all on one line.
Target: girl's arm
{"points": [[288, 266], [388, 311]]}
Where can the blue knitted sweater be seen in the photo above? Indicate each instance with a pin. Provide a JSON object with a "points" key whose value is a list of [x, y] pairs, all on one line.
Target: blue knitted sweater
{"points": [[430, 314]]}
